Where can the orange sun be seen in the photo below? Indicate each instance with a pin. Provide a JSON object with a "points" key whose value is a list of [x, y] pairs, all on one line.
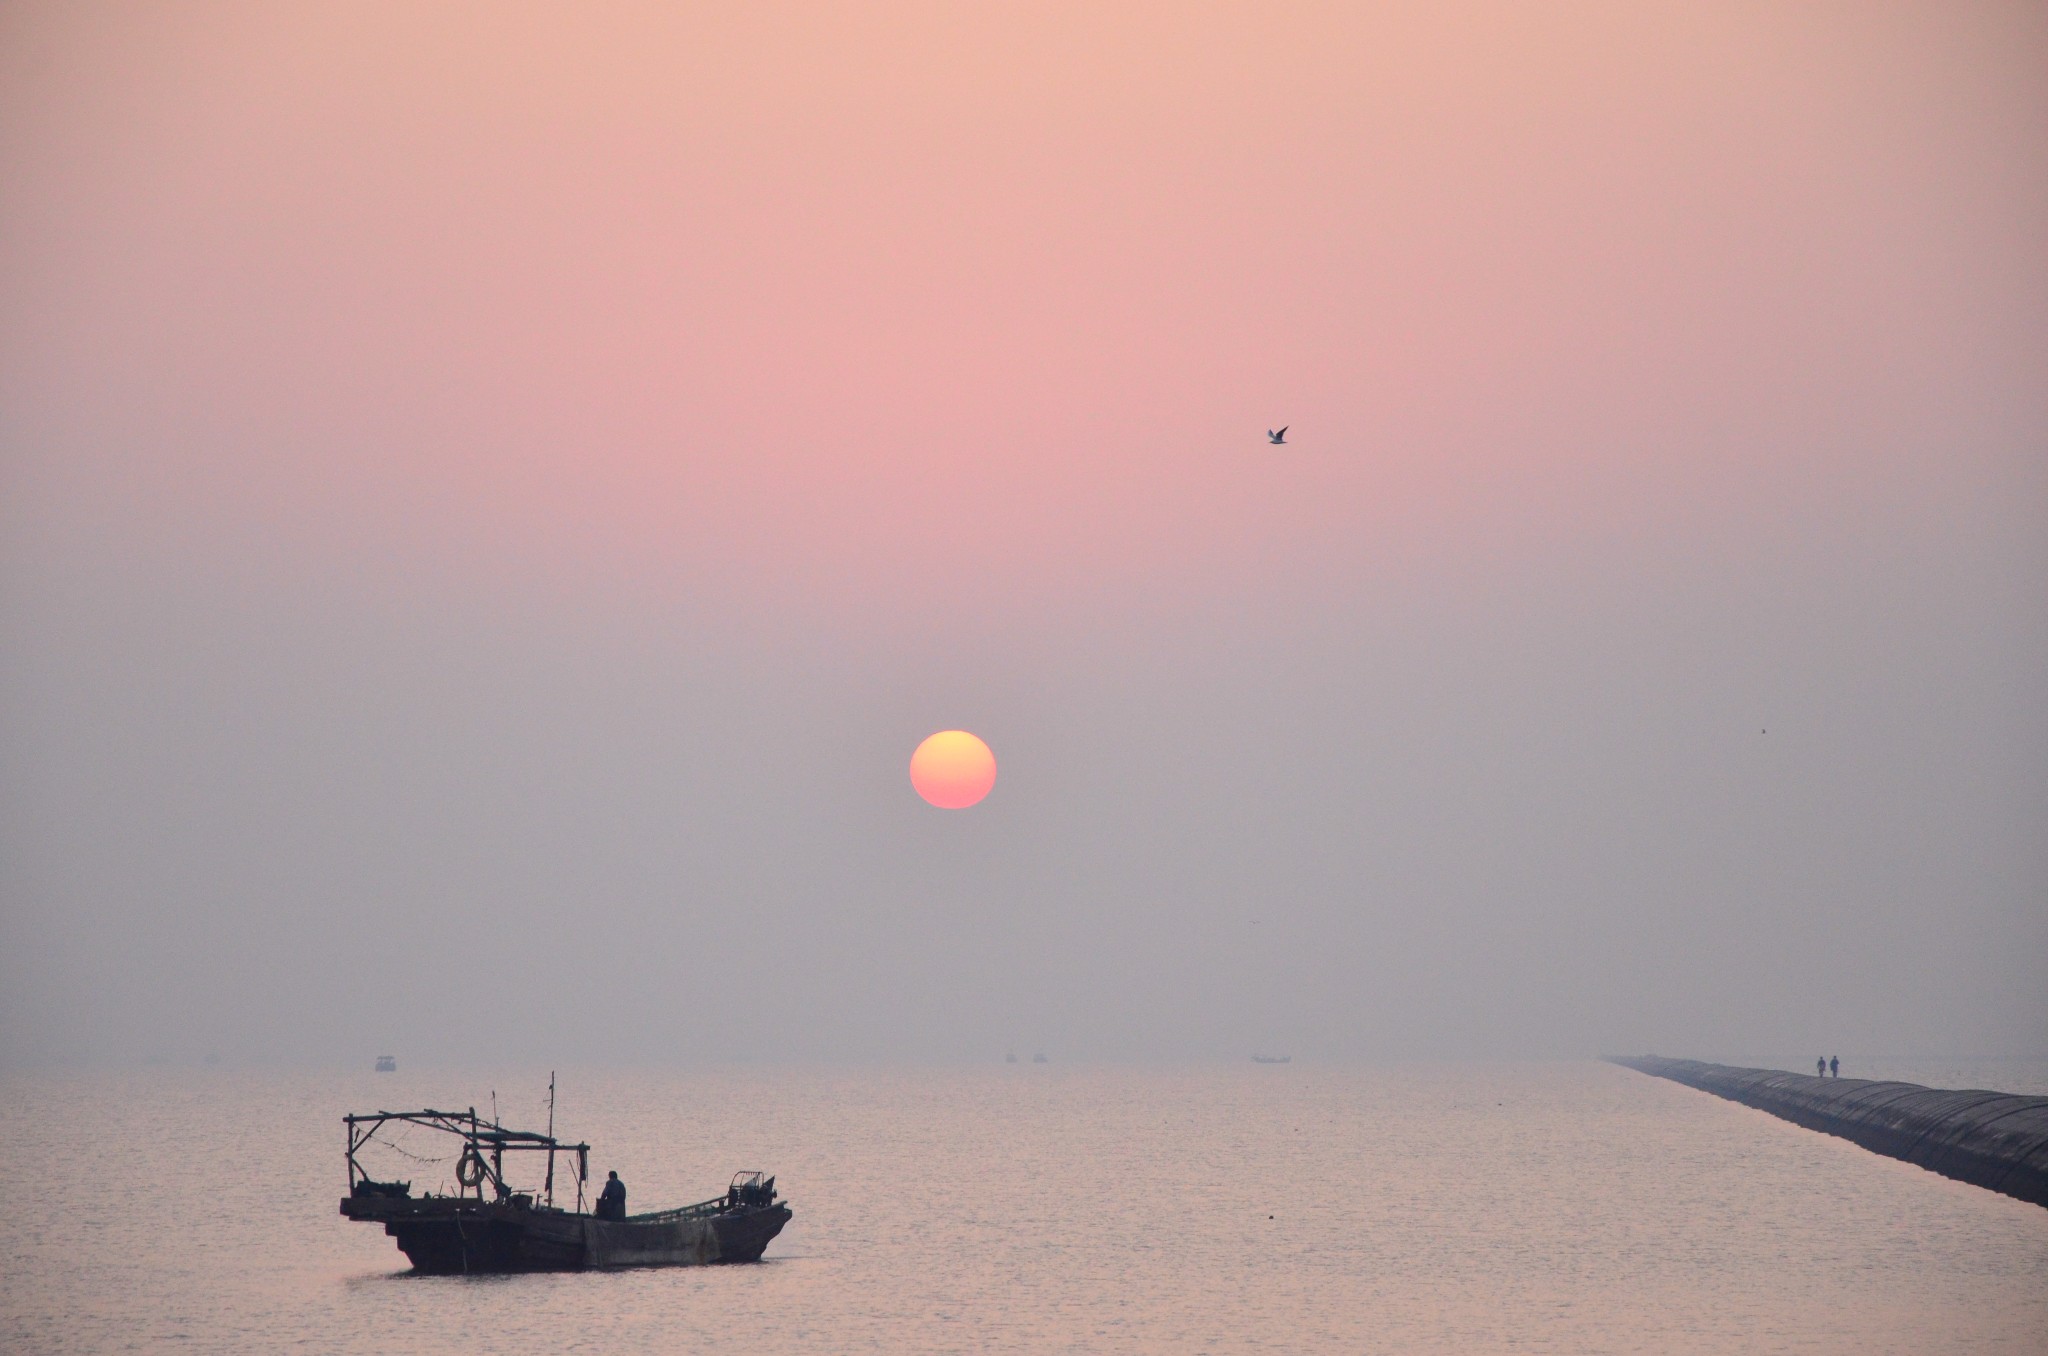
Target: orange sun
{"points": [[952, 769]]}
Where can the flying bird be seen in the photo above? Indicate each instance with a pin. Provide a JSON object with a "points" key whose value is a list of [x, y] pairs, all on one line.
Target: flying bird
{"points": [[1277, 436]]}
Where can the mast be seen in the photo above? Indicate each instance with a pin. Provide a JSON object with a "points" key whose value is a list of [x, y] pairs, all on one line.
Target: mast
{"points": [[497, 1154], [551, 1136]]}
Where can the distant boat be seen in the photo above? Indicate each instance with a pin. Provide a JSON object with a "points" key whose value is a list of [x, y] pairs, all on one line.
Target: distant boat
{"points": [[1272, 1059], [387, 1064], [1040, 1058], [1010, 1058]]}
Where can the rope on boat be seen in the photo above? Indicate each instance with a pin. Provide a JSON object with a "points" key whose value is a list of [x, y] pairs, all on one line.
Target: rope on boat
{"points": [[417, 1158]]}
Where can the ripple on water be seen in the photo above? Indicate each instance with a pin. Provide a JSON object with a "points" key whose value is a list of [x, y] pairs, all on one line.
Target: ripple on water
{"points": [[1562, 1207]]}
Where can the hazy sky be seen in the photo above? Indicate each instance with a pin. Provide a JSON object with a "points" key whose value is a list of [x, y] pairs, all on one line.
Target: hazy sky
{"points": [[494, 494]]}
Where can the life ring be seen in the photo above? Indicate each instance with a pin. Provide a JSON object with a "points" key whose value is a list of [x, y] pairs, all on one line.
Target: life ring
{"points": [[469, 1169]]}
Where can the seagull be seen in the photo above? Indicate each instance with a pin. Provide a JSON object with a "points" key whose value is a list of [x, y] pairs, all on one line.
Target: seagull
{"points": [[1277, 438]]}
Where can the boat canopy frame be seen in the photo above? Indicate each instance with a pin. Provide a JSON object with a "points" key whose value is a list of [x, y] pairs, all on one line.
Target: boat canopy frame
{"points": [[484, 1146]]}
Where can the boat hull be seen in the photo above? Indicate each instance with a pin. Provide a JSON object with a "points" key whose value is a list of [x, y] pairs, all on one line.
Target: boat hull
{"points": [[444, 1236]]}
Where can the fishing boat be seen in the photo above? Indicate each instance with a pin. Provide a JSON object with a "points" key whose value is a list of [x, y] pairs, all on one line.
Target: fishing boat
{"points": [[487, 1227], [387, 1064], [1272, 1059]]}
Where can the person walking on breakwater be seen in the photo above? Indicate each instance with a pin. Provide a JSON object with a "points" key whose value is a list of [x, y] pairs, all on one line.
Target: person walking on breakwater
{"points": [[611, 1202], [1820, 1070], [1835, 1066]]}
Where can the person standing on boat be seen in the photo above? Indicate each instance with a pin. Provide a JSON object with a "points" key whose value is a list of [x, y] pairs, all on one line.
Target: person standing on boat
{"points": [[611, 1202]]}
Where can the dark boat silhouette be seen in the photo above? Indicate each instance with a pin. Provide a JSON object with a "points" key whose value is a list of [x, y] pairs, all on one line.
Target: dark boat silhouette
{"points": [[1272, 1059], [488, 1227], [387, 1064]]}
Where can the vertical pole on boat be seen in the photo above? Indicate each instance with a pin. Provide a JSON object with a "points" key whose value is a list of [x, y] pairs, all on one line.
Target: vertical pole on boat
{"points": [[551, 1136]]}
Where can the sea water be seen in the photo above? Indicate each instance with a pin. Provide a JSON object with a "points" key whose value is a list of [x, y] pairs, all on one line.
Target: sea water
{"points": [[1572, 1207]]}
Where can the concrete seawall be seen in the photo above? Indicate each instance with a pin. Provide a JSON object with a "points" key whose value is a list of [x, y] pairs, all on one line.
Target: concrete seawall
{"points": [[1989, 1139]]}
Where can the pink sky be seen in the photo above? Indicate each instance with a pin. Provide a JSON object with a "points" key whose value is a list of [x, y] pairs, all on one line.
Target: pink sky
{"points": [[990, 304], [465, 462]]}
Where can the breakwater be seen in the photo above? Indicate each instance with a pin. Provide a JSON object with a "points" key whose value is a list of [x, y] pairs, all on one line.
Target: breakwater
{"points": [[1989, 1139]]}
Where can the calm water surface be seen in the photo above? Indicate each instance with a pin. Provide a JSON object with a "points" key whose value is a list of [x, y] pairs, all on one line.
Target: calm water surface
{"points": [[1525, 1208]]}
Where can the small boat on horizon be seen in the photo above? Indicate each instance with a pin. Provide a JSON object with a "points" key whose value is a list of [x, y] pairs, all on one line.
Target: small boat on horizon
{"points": [[1272, 1059], [1040, 1058], [387, 1064]]}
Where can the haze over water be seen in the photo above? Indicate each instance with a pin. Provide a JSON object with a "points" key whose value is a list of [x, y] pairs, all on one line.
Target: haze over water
{"points": [[1473, 1208]]}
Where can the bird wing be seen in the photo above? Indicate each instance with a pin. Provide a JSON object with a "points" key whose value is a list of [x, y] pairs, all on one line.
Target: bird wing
{"points": [[1281, 436]]}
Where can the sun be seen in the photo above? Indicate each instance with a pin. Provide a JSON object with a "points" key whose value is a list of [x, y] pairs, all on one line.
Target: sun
{"points": [[952, 769]]}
